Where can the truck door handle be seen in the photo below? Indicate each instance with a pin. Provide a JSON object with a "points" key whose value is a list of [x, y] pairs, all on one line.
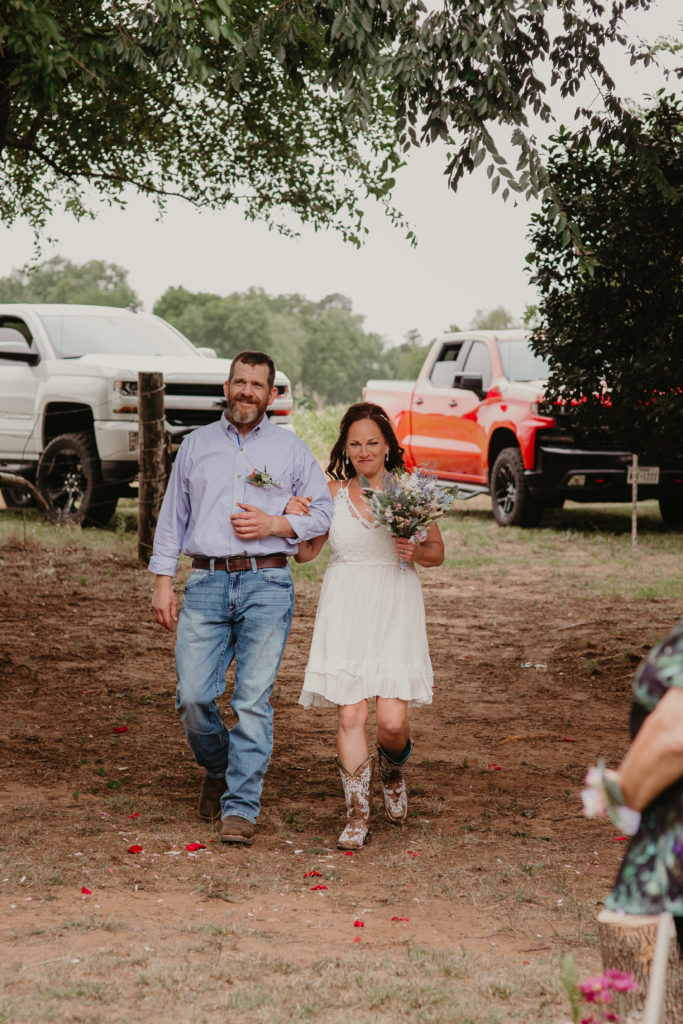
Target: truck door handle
{"points": [[419, 401], [452, 402]]}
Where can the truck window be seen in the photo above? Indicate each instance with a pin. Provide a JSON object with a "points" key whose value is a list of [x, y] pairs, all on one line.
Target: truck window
{"points": [[479, 361], [519, 362], [445, 368]]}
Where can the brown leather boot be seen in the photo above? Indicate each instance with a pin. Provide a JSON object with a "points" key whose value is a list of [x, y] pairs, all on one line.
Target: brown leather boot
{"points": [[209, 807], [394, 791], [358, 797]]}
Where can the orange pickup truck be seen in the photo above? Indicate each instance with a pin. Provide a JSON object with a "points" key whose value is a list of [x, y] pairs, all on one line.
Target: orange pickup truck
{"points": [[476, 415]]}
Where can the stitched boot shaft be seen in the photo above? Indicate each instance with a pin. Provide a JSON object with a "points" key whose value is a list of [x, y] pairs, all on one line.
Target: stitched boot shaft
{"points": [[358, 797], [394, 791]]}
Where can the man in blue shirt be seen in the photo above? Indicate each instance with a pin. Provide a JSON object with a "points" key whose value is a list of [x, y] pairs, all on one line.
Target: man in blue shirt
{"points": [[224, 507]]}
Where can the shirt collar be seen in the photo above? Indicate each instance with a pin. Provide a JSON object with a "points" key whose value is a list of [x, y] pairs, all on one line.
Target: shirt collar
{"points": [[231, 430]]}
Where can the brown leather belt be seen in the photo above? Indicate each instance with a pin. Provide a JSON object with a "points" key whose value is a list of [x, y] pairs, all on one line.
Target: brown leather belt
{"points": [[241, 563]]}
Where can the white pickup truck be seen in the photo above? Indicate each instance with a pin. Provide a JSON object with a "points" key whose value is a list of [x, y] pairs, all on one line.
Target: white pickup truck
{"points": [[68, 400]]}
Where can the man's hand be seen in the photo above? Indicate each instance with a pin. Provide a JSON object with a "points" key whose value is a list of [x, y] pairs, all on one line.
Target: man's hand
{"points": [[252, 523], [164, 602]]}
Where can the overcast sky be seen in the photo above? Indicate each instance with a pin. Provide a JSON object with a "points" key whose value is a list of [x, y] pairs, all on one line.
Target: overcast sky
{"points": [[470, 254]]}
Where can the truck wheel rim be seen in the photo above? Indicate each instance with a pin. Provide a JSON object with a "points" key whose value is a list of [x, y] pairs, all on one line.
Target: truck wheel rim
{"points": [[506, 491], [66, 482]]}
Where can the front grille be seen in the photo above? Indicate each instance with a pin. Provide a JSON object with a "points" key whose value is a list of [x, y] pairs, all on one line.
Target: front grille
{"points": [[205, 390], [192, 417]]}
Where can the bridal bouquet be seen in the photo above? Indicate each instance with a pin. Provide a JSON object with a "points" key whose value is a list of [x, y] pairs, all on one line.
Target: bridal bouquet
{"points": [[603, 796], [408, 503]]}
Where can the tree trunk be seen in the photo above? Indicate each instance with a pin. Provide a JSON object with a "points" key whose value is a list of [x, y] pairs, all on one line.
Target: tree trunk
{"points": [[627, 943], [153, 457]]}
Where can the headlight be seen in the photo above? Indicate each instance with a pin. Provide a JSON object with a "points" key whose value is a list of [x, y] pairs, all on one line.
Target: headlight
{"points": [[126, 387]]}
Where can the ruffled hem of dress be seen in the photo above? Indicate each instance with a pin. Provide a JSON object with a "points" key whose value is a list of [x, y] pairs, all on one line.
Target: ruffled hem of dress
{"points": [[344, 686], [660, 904]]}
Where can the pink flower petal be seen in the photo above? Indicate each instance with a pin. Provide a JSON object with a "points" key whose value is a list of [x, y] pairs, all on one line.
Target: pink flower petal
{"points": [[495, 767], [314, 887], [620, 839], [400, 919], [357, 938], [359, 924], [412, 853], [86, 892]]}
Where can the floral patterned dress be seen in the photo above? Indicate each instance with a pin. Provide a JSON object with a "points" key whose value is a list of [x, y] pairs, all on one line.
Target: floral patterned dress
{"points": [[650, 879]]}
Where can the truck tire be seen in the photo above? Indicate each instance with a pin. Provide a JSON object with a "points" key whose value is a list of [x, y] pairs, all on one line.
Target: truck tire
{"points": [[511, 502], [671, 509], [70, 478], [17, 497]]}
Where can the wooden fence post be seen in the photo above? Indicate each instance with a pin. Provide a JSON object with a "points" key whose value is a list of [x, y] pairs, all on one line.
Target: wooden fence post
{"points": [[153, 458]]}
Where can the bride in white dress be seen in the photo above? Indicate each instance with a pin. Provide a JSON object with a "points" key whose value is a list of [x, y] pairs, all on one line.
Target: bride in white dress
{"points": [[369, 638]]}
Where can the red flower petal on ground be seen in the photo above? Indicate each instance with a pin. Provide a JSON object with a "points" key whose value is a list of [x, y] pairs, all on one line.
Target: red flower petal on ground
{"points": [[348, 853], [135, 814], [412, 853], [496, 767], [400, 919], [359, 924], [314, 887], [134, 849], [313, 874], [565, 739], [620, 839], [86, 892], [120, 728], [195, 846], [357, 938]]}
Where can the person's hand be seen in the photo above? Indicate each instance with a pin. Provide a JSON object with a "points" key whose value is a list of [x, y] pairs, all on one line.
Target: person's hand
{"points": [[164, 603], [406, 549], [252, 523], [298, 505]]}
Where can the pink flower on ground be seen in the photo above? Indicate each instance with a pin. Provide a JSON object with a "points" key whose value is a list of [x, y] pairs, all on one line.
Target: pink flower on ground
{"points": [[621, 981]]}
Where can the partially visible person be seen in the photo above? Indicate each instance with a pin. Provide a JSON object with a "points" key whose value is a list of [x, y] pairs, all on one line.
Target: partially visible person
{"points": [[369, 639], [650, 780], [225, 508]]}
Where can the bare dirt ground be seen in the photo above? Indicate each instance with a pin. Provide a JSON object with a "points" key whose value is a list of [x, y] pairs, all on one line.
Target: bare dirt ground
{"points": [[495, 863]]}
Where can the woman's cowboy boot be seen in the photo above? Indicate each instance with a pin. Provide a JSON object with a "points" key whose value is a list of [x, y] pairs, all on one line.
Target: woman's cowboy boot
{"points": [[394, 792], [358, 797]]}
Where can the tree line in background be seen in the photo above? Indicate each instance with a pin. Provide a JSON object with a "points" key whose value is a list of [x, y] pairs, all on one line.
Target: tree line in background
{"points": [[321, 346]]}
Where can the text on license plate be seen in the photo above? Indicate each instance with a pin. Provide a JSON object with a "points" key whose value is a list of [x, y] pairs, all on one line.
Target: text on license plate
{"points": [[646, 475]]}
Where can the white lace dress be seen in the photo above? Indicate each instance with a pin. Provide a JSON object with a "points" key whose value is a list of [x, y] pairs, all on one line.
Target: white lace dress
{"points": [[369, 638]]}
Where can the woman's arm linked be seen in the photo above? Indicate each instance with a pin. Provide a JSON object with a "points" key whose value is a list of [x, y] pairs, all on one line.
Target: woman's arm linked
{"points": [[655, 758]]}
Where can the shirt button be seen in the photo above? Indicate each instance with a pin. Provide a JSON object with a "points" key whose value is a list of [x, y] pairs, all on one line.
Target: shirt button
{"points": [[239, 475], [241, 449]]}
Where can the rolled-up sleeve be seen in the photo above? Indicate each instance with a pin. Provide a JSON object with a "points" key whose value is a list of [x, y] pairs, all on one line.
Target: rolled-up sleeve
{"points": [[311, 481]]}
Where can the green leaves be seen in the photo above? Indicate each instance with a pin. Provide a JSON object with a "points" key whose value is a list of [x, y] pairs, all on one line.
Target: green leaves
{"points": [[606, 260]]}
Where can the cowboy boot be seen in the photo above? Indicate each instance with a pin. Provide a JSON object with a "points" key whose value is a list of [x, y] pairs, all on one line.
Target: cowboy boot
{"points": [[394, 792], [358, 797]]}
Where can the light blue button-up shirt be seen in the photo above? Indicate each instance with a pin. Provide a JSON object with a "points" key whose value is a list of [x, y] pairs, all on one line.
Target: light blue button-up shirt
{"points": [[209, 478]]}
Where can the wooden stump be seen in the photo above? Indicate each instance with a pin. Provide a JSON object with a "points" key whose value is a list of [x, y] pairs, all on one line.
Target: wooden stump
{"points": [[627, 943]]}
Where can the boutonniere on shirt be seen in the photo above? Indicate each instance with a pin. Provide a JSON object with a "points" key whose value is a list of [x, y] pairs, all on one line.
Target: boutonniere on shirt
{"points": [[261, 478]]}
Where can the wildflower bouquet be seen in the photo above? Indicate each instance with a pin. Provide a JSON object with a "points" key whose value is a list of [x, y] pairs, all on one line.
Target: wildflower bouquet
{"points": [[408, 503], [603, 796]]}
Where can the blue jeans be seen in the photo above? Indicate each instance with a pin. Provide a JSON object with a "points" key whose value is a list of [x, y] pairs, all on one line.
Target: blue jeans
{"points": [[226, 615]]}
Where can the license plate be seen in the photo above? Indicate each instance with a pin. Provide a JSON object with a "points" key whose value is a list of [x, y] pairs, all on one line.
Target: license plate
{"points": [[645, 475]]}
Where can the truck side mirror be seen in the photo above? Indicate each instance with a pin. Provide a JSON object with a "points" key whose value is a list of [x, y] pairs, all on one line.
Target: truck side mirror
{"points": [[14, 348], [470, 382]]}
